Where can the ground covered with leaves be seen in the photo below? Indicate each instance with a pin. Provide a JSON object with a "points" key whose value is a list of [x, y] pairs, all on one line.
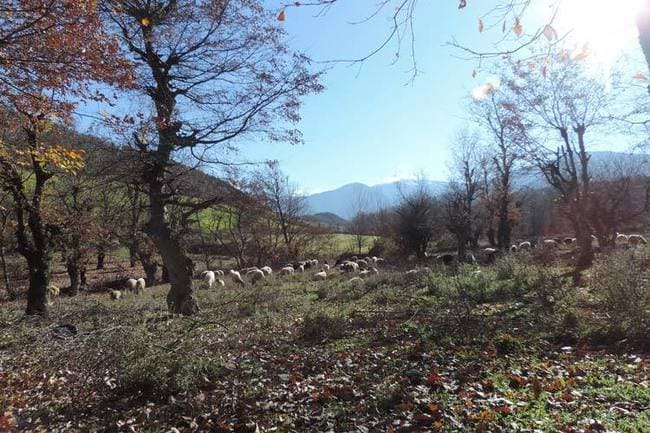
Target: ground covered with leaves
{"points": [[506, 348]]}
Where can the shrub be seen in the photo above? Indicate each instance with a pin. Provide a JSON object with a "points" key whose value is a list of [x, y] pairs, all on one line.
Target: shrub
{"points": [[505, 267], [322, 326], [507, 344]]}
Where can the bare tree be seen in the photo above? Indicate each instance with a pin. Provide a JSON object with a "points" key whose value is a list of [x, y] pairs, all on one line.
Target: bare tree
{"points": [[464, 191], [417, 219]]}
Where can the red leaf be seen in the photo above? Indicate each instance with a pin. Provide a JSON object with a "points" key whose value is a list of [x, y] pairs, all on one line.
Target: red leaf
{"points": [[281, 16]]}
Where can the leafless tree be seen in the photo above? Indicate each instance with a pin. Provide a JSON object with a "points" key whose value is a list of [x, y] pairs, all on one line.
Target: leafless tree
{"points": [[464, 192]]}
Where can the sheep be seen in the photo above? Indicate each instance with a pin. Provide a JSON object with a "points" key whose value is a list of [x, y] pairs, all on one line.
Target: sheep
{"points": [[635, 240], [236, 277], [446, 259], [247, 270], [221, 282], [490, 250], [379, 260], [362, 264], [115, 294], [526, 245], [256, 275], [364, 273], [320, 276], [356, 280], [621, 238], [219, 273], [374, 270], [350, 267], [131, 284], [140, 285], [53, 291], [287, 270], [325, 267], [569, 240], [209, 278], [513, 248], [267, 270], [412, 272], [314, 263], [301, 268], [550, 243]]}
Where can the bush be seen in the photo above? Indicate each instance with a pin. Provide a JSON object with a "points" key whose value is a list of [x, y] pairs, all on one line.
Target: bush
{"points": [[622, 291], [507, 344], [322, 326]]}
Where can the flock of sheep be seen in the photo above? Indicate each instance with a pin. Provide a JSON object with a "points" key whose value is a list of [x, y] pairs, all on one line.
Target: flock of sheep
{"points": [[361, 267]]}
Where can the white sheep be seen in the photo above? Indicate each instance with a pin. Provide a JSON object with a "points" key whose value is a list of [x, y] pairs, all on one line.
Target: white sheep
{"points": [[355, 280], [209, 278], [490, 250], [362, 264], [115, 294], [287, 270], [236, 277], [514, 248], [621, 238], [364, 273], [325, 267], [221, 282], [635, 240], [320, 276], [256, 275], [526, 245], [219, 273], [131, 284], [140, 285], [412, 272], [374, 270], [550, 243], [314, 263], [301, 268], [267, 270]]}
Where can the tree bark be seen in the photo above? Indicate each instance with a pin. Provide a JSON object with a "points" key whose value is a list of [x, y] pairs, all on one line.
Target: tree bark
{"points": [[74, 273], [101, 256], [3, 262], [39, 280]]}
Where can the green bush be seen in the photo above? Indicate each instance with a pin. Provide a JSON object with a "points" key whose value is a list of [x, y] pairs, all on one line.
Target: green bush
{"points": [[322, 326]]}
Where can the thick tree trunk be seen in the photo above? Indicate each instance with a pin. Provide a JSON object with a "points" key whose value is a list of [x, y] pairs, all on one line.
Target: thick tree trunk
{"points": [[74, 273], [39, 280], [133, 256], [150, 269], [164, 278]]}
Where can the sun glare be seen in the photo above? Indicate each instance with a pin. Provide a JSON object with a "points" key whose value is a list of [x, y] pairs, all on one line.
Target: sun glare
{"points": [[607, 26]]}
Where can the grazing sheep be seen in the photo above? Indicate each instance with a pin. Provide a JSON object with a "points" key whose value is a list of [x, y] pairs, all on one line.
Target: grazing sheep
{"points": [[374, 270], [209, 278], [236, 277], [325, 267], [115, 294], [355, 258], [221, 282], [412, 272], [364, 273], [635, 240], [355, 280], [513, 248], [219, 273], [490, 250], [256, 275], [526, 245], [621, 238], [569, 241], [140, 285], [301, 268], [131, 284], [53, 291], [362, 264], [267, 270], [550, 243], [320, 276], [350, 267], [446, 259], [247, 270], [314, 263], [287, 270], [379, 260]]}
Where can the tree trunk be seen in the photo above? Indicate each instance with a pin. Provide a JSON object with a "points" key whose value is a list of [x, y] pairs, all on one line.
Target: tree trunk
{"points": [[39, 279], [101, 256], [74, 273], [150, 269], [133, 256], [490, 233], [164, 278], [3, 262]]}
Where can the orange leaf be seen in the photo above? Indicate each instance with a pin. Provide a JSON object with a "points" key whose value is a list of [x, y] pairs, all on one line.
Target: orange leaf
{"points": [[480, 25], [146, 22], [549, 32], [518, 29], [281, 16], [433, 408], [437, 424], [639, 76]]}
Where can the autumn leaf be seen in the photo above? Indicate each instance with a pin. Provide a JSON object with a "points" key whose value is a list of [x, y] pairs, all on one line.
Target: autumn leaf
{"points": [[518, 29], [281, 16], [549, 32], [639, 76], [146, 22], [480, 25], [462, 4], [503, 409], [437, 424]]}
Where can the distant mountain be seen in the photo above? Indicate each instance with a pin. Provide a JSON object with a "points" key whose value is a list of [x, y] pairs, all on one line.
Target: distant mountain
{"points": [[347, 200], [327, 218]]}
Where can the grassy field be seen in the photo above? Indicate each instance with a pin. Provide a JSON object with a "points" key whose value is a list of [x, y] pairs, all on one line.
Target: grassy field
{"points": [[506, 348]]}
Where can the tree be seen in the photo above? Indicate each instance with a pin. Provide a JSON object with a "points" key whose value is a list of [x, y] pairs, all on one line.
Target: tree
{"points": [[417, 218], [464, 191], [51, 51], [215, 72], [505, 133], [561, 97], [278, 194]]}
